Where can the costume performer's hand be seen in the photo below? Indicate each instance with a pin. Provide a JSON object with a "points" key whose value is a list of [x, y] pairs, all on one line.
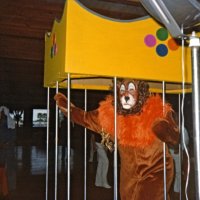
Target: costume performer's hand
{"points": [[61, 101], [167, 130], [79, 116]]}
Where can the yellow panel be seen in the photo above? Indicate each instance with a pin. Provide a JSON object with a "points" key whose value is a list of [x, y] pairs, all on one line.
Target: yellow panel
{"points": [[86, 44], [55, 52], [101, 46]]}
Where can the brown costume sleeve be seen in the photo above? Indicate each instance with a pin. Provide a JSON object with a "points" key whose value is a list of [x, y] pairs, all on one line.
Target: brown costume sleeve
{"points": [[167, 130], [86, 119]]}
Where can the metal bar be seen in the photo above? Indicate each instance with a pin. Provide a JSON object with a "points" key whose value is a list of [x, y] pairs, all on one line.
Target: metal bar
{"points": [[85, 153], [68, 136], [195, 45], [182, 127], [47, 145], [180, 147], [56, 148], [115, 141], [164, 148], [181, 106]]}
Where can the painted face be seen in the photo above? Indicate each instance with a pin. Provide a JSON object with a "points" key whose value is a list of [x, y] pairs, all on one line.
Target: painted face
{"points": [[128, 94]]}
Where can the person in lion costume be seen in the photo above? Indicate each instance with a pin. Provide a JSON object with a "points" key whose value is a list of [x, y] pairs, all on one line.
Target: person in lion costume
{"points": [[143, 124]]}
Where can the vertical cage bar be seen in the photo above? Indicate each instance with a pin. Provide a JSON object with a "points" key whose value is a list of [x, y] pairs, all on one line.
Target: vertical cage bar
{"points": [[68, 135], [115, 142], [85, 153], [180, 147], [47, 145], [56, 149], [164, 147]]}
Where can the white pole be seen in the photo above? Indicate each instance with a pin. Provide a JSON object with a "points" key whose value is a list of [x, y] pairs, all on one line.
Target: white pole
{"points": [[56, 148], [115, 142], [164, 148], [195, 45], [68, 136], [47, 144], [85, 153]]}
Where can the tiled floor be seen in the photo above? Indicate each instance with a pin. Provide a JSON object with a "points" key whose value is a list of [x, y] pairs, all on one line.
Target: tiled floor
{"points": [[31, 169], [31, 178]]}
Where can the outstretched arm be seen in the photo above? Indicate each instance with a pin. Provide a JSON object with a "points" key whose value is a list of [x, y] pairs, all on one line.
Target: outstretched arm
{"points": [[86, 119], [166, 129]]}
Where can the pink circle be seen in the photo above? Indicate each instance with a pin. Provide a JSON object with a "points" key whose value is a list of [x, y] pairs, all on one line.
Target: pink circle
{"points": [[150, 40]]}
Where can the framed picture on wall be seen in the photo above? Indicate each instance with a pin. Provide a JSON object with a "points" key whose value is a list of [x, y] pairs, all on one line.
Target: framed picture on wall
{"points": [[18, 116], [39, 117]]}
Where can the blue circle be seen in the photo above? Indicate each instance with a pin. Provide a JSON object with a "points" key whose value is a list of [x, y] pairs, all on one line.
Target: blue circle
{"points": [[162, 50]]}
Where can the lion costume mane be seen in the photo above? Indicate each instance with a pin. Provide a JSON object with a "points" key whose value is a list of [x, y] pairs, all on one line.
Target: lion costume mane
{"points": [[140, 143]]}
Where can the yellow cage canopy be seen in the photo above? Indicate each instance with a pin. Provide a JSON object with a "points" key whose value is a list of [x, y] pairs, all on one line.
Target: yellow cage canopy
{"points": [[105, 83], [94, 48]]}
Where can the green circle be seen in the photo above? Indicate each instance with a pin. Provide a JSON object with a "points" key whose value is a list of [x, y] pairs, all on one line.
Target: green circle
{"points": [[162, 34]]}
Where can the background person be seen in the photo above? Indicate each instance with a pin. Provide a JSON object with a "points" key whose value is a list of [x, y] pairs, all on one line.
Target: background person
{"points": [[92, 147], [177, 164], [101, 179], [7, 147], [102, 167]]}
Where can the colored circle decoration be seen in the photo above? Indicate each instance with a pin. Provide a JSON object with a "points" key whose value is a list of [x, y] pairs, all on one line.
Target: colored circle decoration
{"points": [[150, 40], [162, 34], [172, 44], [54, 38], [162, 50], [54, 47]]}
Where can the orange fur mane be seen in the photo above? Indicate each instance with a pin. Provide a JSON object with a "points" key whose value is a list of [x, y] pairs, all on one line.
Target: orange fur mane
{"points": [[133, 130]]}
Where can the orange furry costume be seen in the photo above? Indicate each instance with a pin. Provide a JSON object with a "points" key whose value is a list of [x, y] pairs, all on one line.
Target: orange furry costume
{"points": [[140, 143]]}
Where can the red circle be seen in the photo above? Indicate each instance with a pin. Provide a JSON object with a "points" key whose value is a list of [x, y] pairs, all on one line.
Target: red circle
{"points": [[172, 44]]}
